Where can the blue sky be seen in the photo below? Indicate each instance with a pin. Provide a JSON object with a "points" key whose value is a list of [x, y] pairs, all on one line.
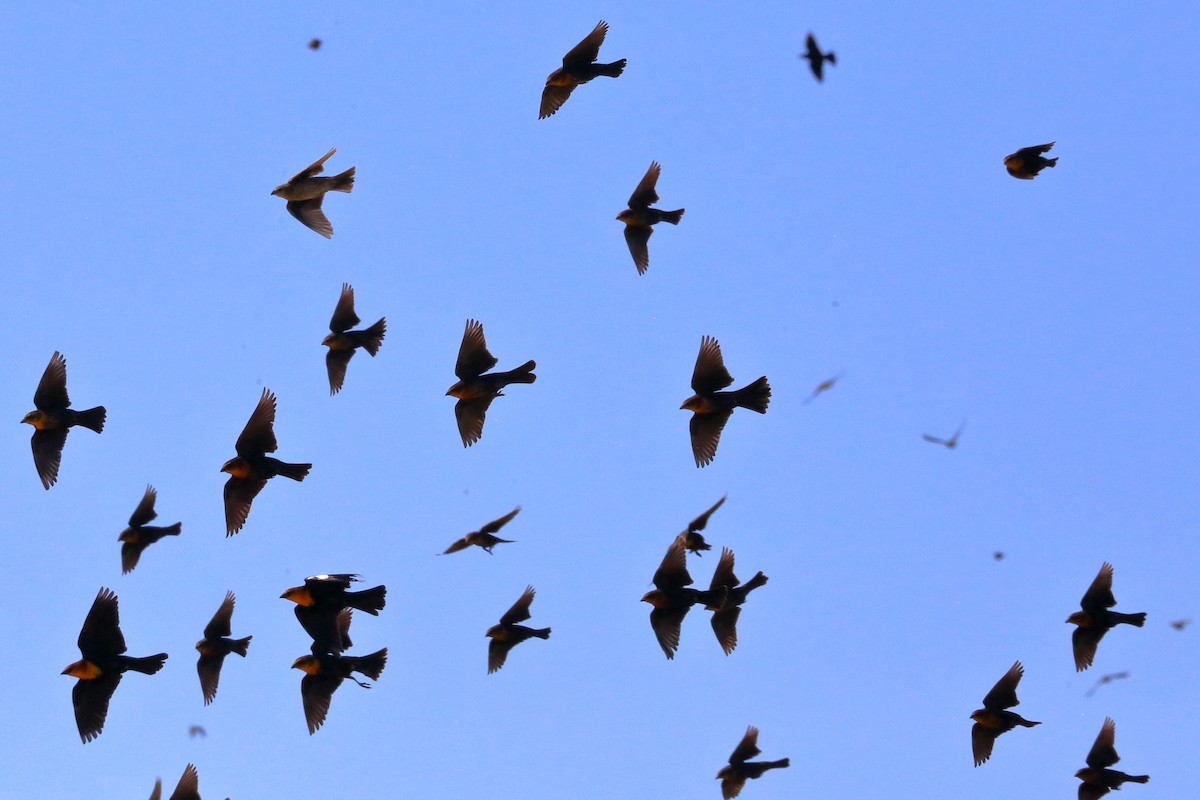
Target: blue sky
{"points": [[863, 226]]}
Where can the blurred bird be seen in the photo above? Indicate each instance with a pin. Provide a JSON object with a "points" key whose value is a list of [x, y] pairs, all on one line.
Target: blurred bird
{"points": [[578, 66], [822, 387], [998, 555], [483, 537], [711, 408], [1027, 162], [342, 342], [475, 390], [324, 673], [640, 217], [215, 645], [508, 634], [99, 671], [1097, 779], [816, 59], [992, 720], [138, 536], [314, 44], [693, 541], [1180, 624], [188, 787], [672, 597], [252, 468], [197, 730], [1109, 678], [734, 776], [321, 601], [726, 613], [54, 418], [1095, 619], [950, 443], [305, 192]]}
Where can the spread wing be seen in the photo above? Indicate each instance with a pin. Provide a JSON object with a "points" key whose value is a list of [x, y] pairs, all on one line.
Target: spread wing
{"points": [[311, 216], [747, 748], [344, 318], [587, 50], [100, 638], [1004, 693], [520, 609], [710, 374], [258, 437], [705, 431], [315, 168], [145, 509], [1104, 752], [644, 194], [473, 356], [47, 453]]}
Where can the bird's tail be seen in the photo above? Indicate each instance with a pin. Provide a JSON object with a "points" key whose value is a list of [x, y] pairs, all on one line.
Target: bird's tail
{"points": [[522, 374], [1137, 620], [1028, 723], [758, 580], [172, 530], [371, 601], [673, 217], [93, 418], [372, 665], [1138, 778], [781, 763], [756, 396], [147, 665], [831, 57], [296, 472], [610, 70], [240, 646], [344, 182], [373, 336], [1050, 162], [541, 633]]}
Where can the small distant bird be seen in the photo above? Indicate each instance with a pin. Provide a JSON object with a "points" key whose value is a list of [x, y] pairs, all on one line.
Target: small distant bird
{"points": [[1180, 624], [734, 776], [215, 645], [484, 536], [1097, 778], [314, 44], [342, 342], [992, 720], [475, 390], [54, 418], [138, 536], [640, 217], [320, 602], [103, 663], [252, 468], [693, 541], [508, 634], [188, 787], [726, 612], [816, 59], [578, 66], [197, 730], [1095, 619], [998, 555], [1027, 162], [324, 673], [950, 443], [1109, 678], [822, 387], [672, 597], [305, 192], [712, 408]]}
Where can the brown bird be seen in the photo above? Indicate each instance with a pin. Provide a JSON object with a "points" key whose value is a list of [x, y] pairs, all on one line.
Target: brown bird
{"points": [[672, 597], [324, 673], [104, 662], [252, 468], [1097, 778], [508, 634], [1179, 624], [197, 730], [822, 387], [711, 408], [693, 541], [1027, 162], [342, 342], [639, 217], [215, 645], [734, 775], [1095, 619], [992, 720], [305, 192], [54, 418], [314, 44], [483, 537], [950, 443], [138, 536], [475, 390], [188, 787], [816, 59], [320, 603], [726, 613], [578, 66]]}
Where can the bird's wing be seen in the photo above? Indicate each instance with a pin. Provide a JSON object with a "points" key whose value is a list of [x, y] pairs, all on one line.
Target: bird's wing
{"points": [[344, 318], [314, 168], [747, 748], [311, 216], [219, 625], [1004, 693], [710, 374], [520, 609], [101, 635], [336, 362], [645, 194], [1099, 595], [239, 494], [258, 437], [497, 524], [47, 453], [705, 431], [145, 509], [1104, 752], [51, 391], [637, 237], [587, 50], [699, 523], [672, 573], [473, 356], [470, 415]]}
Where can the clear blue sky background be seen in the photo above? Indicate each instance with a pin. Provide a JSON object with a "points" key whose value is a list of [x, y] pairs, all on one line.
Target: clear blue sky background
{"points": [[864, 226]]}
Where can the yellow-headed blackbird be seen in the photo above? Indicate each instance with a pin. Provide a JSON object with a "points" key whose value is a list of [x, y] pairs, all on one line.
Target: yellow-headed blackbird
{"points": [[1097, 778], [578, 66], [215, 645], [305, 192], [324, 673], [950, 443], [711, 408], [250, 470], [508, 634], [734, 775], [103, 663], [476, 391], [1095, 619], [188, 787], [822, 387], [484, 536], [138, 536], [54, 418], [726, 613], [672, 597], [342, 342], [816, 59], [992, 720], [693, 541], [320, 601], [1027, 162], [639, 217]]}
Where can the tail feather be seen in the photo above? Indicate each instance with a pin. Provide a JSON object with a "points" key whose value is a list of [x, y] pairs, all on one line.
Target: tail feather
{"points": [[1028, 723], [372, 665], [781, 763], [1138, 778], [831, 57], [93, 418], [1050, 162], [296, 472], [344, 181], [1137, 620], [756, 396], [673, 217], [611, 70], [147, 665], [758, 580], [240, 646], [522, 374], [541, 633], [371, 601], [373, 336], [172, 530]]}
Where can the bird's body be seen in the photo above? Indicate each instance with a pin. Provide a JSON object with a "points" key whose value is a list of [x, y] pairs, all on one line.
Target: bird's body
{"points": [[816, 59], [994, 718], [250, 470], [53, 418], [711, 408], [1027, 162], [305, 192], [640, 218], [138, 536], [485, 537], [475, 390], [734, 775], [507, 634], [215, 645], [1094, 619], [578, 67], [342, 341], [324, 673]]}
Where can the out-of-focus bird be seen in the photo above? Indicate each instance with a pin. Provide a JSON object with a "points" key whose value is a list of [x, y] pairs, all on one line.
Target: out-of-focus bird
{"points": [[822, 387], [314, 44], [734, 775], [1180, 624], [342, 342], [1027, 162], [320, 602], [138, 536], [305, 192], [475, 390], [53, 418], [640, 218], [693, 540], [215, 645], [998, 555], [188, 787], [197, 730], [324, 673], [484, 537], [950, 443], [507, 634], [726, 613], [673, 597], [711, 408], [993, 720], [816, 59], [104, 662], [1105, 679], [1095, 620], [1098, 779], [250, 470], [578, 66]]}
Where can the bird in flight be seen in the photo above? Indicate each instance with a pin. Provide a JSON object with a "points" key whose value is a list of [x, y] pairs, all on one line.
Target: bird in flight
{"points": [[816, 59], [54, 418], [1094, 619], [1027, 162], [640, 218], [994, 718], [305, 192], [711, 408], [578, 66]]}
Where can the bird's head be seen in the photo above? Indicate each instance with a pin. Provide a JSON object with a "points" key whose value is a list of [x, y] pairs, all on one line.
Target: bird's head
{"points": [[625, 216], [694, 403], [494, 632], [307, 664], [329, 339], [1078, 618], [279, 190], [127, 535], [35, 418], [84, 670], [299, 595]]}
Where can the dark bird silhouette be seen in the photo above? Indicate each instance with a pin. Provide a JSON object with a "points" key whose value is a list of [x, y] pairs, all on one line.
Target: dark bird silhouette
{"points": [[640, 217], [314, 44], [726, 612], [508, 634], [673, 597], [1097, 778], [711, 408], [320, 603], [693, 540], [578, 66], [475, 390], [734, 775], [188, 787], [1106, 679], [197, 730], [138, 536], [1027, 162], [342, 342], [484, 537], [305, 192], [54, 418], [993, 720], [1095, 620], [324, 673], [816, 59], [1180, 624], [252, 468], [104, 662], [950, 443], [215, 645], [822, 387]]}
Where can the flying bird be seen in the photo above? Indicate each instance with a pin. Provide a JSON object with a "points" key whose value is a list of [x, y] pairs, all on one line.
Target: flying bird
{"points": [[1105, 679], [138, 536], [950, 443], [54, 418], [673, 597], [640, 218], [731, 593], [1180, 624], [816, 59], [484, 537], [342, 342], [1095, 620], [822, 387], [508, 634], [475, 390], [197, 730], [578, 66], [1027, 162], [711, 408], [734, 775], [324, 673], [188, 787], [693, 540], [993, 720], [1097, 778], [215, 645], [320, 602], [305, 192]]}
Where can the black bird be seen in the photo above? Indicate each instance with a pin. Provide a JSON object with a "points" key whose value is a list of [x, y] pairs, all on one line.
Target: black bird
{"points": [[508, 634], [322, 598], [993, 720], [54, 418], [578, 66], [816, 59], [342, 342], [215, 645], [1027, 162], [693, 541], [640, 218], [1095, 619], [734, 775], [673, 597], [726, 612], [138, 536], [475, 390], [324, 673], [711, 408], [485, 537], [1097, 778]]}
